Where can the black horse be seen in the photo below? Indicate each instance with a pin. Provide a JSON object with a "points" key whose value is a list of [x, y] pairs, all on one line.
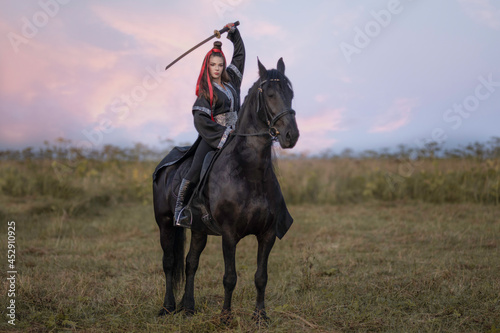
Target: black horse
{"points": [[244, 196]]}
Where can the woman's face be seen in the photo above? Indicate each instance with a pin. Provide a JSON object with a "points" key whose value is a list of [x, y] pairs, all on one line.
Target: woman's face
{"points": [[215, 66]]}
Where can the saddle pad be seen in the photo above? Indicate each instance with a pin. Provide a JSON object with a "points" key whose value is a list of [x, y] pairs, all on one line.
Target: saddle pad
{"points": [[176, 155]]}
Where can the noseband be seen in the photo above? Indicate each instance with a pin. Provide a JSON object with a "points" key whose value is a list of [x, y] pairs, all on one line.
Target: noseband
{"points": [[270, 121]]}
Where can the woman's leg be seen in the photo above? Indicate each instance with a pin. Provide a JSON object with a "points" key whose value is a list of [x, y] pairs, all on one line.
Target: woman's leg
{"points": [[189, 182], [193, 174]]}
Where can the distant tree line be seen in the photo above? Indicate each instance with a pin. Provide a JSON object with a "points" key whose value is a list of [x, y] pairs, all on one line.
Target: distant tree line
{"points": [[431, 150], [64, 149]]}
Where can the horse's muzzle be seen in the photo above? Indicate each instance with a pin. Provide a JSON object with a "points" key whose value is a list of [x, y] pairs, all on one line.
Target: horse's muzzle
{"points": [[289, 133]]}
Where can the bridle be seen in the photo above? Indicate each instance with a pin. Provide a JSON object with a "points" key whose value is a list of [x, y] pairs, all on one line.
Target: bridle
{"points": [[270, 121]]}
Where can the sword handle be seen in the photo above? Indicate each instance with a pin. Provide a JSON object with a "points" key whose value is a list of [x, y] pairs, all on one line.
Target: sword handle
{"points": [[223, 30]]}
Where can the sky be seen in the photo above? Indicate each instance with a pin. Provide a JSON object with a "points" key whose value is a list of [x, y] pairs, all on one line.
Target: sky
{"points": [[367, 75]]}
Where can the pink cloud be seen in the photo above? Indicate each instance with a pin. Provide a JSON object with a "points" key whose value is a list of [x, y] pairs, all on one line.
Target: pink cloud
{"points": [[327, 120], [155, 34], [315, 131], [321, 98], [482, 11], [75, 82], [397, 116], [263, 28]]}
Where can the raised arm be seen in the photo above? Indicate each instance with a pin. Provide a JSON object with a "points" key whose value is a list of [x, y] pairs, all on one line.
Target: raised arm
{"points": [[237, 66]]}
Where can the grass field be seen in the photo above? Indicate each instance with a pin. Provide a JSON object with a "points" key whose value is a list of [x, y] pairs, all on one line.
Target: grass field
{"points": [[378, 245], [390, 267]]}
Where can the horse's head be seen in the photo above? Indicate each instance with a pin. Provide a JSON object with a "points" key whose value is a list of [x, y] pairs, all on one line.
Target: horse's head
{"points": [[275, 100]]}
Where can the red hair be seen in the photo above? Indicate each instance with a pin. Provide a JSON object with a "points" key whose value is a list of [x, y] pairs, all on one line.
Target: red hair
{"points": [[204, 85]]}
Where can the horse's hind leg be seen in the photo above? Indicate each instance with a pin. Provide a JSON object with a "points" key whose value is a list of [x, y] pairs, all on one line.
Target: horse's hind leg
{"points": [[266, 243], [198, 242], [172, 242]]}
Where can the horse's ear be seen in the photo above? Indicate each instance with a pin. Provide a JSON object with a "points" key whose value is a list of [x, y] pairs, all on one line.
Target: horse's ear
{"points": [[281, 66], [262, 69]]}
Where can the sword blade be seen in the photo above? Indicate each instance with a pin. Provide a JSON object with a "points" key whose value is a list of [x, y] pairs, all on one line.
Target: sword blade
{"points": [[216, 34], [190, 50]]}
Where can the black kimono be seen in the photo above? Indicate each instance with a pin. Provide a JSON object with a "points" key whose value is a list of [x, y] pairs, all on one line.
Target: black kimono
{"points": [[225, 110]]}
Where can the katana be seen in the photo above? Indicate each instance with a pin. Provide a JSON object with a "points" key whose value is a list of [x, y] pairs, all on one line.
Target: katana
{"points": [[217, 33]]}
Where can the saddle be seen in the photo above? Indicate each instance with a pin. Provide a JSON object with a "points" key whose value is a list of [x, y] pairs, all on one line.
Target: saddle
{"points": [[197, 205]]}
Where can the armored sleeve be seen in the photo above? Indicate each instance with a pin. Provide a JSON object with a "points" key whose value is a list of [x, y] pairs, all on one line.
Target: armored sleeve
{"points": [[213, 133]]}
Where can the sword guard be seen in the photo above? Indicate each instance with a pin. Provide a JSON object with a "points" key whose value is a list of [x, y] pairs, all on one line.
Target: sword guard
{"points": [[217, 33]]}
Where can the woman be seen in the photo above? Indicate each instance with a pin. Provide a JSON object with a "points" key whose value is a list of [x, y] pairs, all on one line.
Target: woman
{"points": [[215, 111]]}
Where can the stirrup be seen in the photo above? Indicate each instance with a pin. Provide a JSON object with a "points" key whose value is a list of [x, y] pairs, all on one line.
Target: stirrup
{"points": [[184, 220]]}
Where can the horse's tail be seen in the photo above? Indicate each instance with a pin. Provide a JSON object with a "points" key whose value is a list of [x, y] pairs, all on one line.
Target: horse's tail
{"points": [[179, 246]]}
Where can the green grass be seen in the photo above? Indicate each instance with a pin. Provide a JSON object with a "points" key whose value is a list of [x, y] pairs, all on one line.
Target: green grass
{"points": [[370, 267]]}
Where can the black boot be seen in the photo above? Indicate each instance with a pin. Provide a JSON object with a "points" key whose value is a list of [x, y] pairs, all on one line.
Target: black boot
{"points": [[185, 189]]}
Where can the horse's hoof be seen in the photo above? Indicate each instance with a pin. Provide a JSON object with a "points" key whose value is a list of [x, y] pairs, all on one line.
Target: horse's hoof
{"points": [[189, 312], [166, 311], [260, 317], [226, 317]]}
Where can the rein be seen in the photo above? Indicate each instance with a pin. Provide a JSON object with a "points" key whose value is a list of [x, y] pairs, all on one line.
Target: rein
{"points": [[271, 131]]}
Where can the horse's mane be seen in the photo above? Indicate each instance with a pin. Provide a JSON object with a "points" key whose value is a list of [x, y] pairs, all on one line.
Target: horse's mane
{"points": [[249, 103]]}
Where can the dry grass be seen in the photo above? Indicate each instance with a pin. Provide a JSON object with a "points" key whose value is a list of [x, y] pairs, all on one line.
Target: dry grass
{"points": [[414, 253], [347, 180], [347, 268]]}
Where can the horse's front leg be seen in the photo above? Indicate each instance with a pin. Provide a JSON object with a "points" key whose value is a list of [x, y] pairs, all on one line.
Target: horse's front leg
{"points": [[266, 243], [198, 242], [230, 277]]}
